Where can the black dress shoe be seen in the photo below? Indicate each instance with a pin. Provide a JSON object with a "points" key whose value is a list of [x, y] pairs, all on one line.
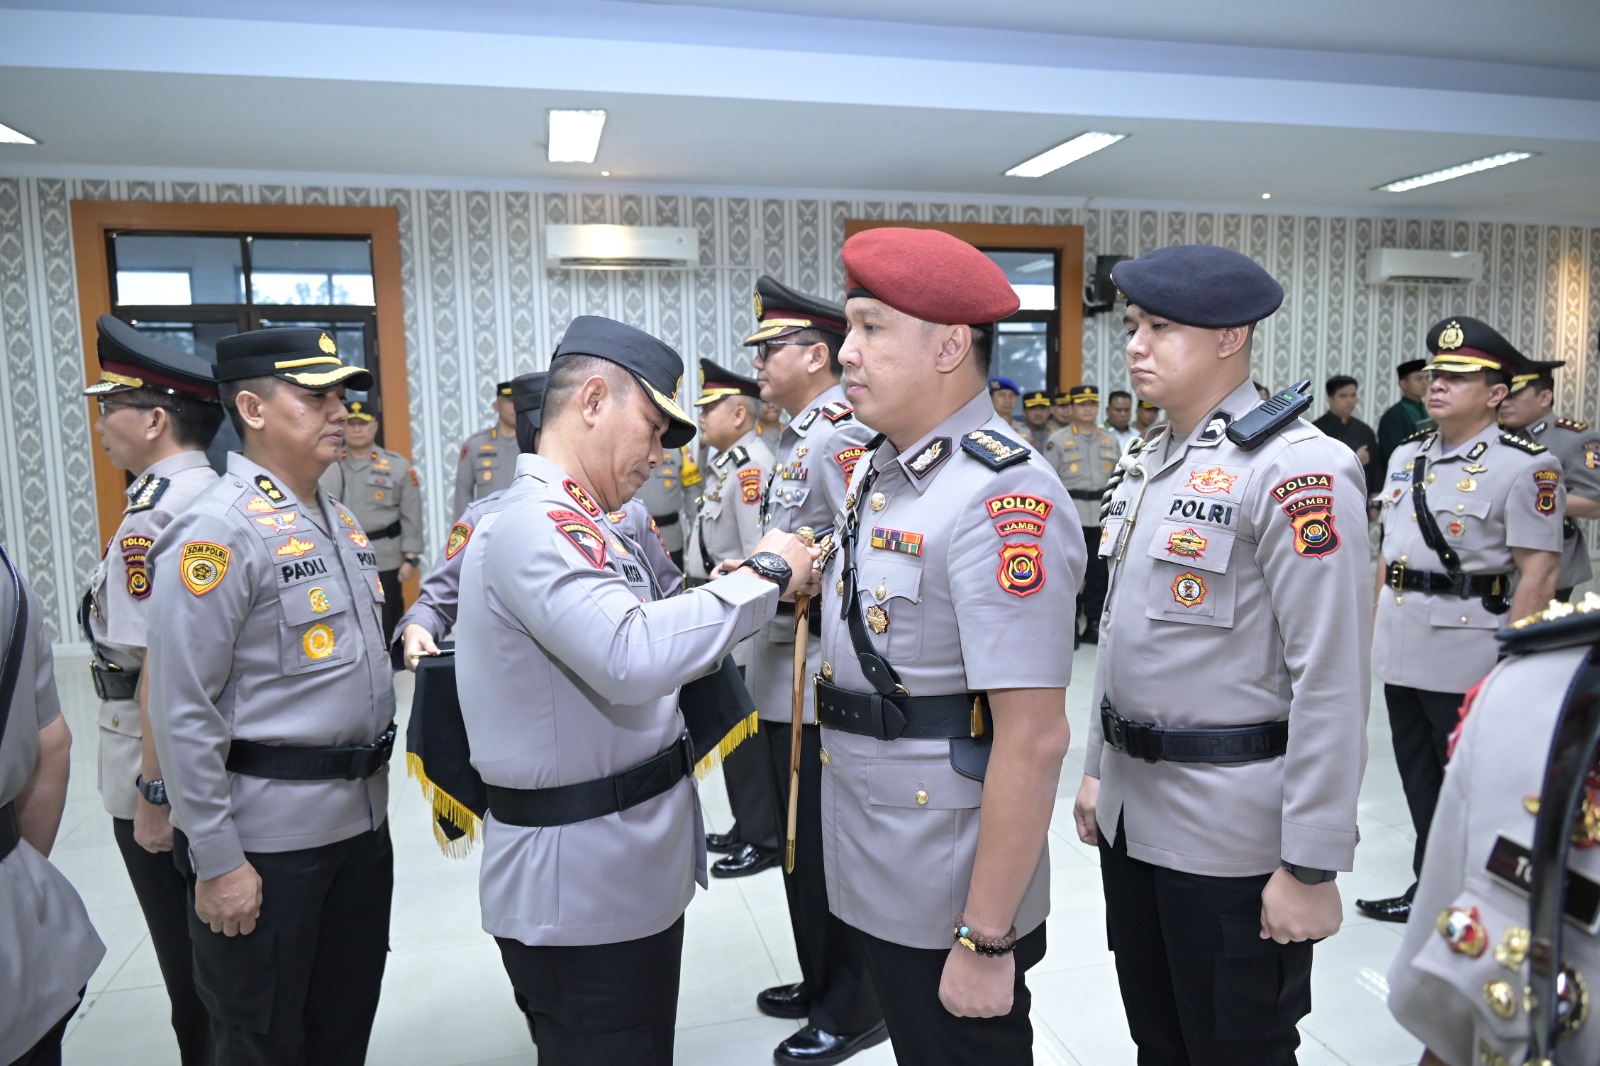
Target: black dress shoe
{"points": [[1393, 909], [784, 1001], [748, 860], [815, 1047], [722, 843]]}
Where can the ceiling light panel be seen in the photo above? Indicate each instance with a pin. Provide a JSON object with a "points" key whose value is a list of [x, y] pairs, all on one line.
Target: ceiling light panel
{"points": [[574, 135], [1084, 144], [11, 136], [1460, 170]]}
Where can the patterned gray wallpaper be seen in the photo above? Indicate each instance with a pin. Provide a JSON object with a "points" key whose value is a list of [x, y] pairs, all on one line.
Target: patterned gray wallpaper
{"points": [[480, 307]]}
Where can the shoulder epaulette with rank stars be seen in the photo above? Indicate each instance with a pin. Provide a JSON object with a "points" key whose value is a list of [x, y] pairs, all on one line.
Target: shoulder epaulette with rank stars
{"points": [[1522, 444], [1420, 434], [994, 450], [1573, 424], [1560, 625], [270, 490], [146, 493], [736, 457], [837, 412]]}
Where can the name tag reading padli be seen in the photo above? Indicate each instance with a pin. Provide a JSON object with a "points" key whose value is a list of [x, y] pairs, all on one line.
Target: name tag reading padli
{"points": [[1512, 865]]}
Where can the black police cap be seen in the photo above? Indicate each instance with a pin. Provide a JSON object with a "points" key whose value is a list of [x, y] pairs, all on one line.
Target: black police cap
{"points": [[1464, 345], [656, 366], [130, 360], [781, 310], [1035, 398], [718, 383], [302, 356], [1199, 285], [527, 395], [360, 411]]}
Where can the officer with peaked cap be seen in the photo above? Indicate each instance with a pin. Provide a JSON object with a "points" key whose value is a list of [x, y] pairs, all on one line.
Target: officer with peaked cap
{"points": [[1529, 412], [1084, 455], [382, 490], [797, 340], [727, 524], [489, 456], [1061, 409], [1499, 967], [1471, 539], [946, 611], [1036, 416], [568, 667], [158, 414], [663, 496], [1222, 793], [272, 707]]}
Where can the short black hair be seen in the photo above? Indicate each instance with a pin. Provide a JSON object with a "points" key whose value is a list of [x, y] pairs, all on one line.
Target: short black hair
{"points": [[1118, 394], [567, 375], [527, 431], [983, 346], [834, 341], [194, 421], [1340, 381], [262, 386]]}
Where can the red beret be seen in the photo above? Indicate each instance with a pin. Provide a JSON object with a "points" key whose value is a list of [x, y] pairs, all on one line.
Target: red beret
{"points": [[928, 275]]}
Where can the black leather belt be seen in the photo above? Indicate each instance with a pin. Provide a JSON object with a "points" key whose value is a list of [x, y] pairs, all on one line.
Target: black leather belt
{"points": [[285, 763], [1224, 744], [1086, 494], [111, 683], [10, 830], [667, 519], [1466, 586], [566, 804], [387, 532], [868, 714]]}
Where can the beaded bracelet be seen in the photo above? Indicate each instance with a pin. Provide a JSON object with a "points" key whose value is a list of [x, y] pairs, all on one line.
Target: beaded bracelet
{"points": [[992, 947]]}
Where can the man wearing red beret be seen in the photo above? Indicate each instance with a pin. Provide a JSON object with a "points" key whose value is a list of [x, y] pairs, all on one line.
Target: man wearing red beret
{"points": [[947, 612]]}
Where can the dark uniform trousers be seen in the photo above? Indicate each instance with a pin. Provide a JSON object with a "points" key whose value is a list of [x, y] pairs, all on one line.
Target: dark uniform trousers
{"points": [[302, 989], [1092, 596], [46, 1051], [833, 963], [744, 771], [925, 1033], [164, 899], [393, 601], [600, 1004], [1199, 984], [1421, 723]]}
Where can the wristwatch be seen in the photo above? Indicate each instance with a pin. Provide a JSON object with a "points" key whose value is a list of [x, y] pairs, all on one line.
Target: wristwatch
{"points": [[154, 792], [771, 566], [1310, 875], [412, 559]]}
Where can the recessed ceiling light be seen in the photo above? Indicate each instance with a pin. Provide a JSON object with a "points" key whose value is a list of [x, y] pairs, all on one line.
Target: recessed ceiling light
{"points": [[1084, 144], [605, 173], [1266, 196], [574, 135], [1460, 170], [11, 136]]}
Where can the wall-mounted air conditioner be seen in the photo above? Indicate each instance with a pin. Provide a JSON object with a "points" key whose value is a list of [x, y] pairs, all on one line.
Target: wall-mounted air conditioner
{"points": [[595, 247], [1409, 266]]}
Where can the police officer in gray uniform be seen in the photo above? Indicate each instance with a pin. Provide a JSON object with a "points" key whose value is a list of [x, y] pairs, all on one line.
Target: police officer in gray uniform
{"points": [[158, 414], [1036, 408], [1084, 455], [1529, 413], [1499, 967], [382, 490], [1471, 539], [48, 946], [488, 457], [593, 842], [797, 341], [663, 496], [941, 693], [1222, 793], [272, 706]]}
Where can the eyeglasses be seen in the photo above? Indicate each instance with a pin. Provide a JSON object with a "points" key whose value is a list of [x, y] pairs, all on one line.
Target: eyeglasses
{"points": [[764, 349], [107, 406]]}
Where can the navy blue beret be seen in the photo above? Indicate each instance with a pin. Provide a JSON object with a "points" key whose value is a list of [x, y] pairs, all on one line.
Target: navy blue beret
{"points": [[1199, 285]]}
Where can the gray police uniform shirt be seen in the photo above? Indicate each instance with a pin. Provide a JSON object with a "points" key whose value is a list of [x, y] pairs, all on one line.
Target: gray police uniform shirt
{"points": [[568, 665], [382, 490], [48, 948], [1489, 494], [1577, 445], [1439, 993], [1084, 460], [728, 519], [119, 610], [487, 463], [975, 571], [816, 455], [1237, 595], [265, 625], [663, 494]]}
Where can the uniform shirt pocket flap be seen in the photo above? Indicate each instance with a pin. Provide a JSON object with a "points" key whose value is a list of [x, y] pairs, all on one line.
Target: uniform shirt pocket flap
{"points": [[1475, 507], [312, 600], [930, 785], [884, 575]]}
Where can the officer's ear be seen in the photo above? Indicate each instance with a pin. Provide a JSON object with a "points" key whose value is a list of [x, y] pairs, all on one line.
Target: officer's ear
{"points": [[160, 420], [591, 397], [954, 348], [1232, 341], [250, 407]]}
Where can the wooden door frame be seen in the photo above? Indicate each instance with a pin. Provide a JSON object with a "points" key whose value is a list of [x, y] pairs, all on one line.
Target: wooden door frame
{"points": [[94, 221], [1065, 240]]}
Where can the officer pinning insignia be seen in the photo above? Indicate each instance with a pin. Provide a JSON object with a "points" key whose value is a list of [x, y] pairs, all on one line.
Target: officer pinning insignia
{"points": [[1189, 589], [203, 565], [897, 540], [294, 547], [928, 459], [146, 493], [847, 460], [135, 551], [581, 496], [1462, 929], [1212, 480], [581, 534], [993, 449], [1312, 517], [460, 533], [1546, 483], [1021, 568]]}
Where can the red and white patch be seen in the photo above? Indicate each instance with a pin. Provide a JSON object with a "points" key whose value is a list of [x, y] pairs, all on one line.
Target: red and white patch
{"points": [[1189, 589], [581, 534], [1021, 569], [1188, 543], [1547, 481], [1314, 534], [1214, 480], [846, 460], [135, 551], [1029, 527]]}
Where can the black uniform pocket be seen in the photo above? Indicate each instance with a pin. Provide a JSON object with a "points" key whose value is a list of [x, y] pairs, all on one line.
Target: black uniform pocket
{"points": [[1263, 988], [235, 976]]}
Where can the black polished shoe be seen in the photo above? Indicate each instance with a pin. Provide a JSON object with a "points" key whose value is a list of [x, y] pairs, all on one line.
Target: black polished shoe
{"points": [[748, 860], [815, 1047], [784, 1001], [1393, 909], [722, 843]]}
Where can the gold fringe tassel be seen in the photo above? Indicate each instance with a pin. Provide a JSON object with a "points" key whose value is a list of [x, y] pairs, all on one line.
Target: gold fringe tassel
{"points": [[741, 732], [447, 807]]}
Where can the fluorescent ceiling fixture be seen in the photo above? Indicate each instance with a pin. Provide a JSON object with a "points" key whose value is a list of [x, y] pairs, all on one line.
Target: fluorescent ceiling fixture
{"points": [[575, 135], [1084, 144], [1460, 170], [11, 136]]}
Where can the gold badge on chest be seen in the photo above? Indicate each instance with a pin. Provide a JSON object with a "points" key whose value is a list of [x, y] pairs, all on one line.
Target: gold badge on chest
{"points": [[877, 619]]}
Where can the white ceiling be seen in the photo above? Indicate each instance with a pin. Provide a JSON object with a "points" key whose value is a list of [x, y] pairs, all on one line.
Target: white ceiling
{"points": [[1312, 103]]}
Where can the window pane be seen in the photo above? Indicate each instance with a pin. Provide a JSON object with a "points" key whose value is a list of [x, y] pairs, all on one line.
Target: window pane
{"points": [[311, 271], [1032, 275], [211, 266], [1020, 353]]}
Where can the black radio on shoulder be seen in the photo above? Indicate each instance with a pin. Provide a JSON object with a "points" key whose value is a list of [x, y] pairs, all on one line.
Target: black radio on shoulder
{"points": [[1271, 415]]}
